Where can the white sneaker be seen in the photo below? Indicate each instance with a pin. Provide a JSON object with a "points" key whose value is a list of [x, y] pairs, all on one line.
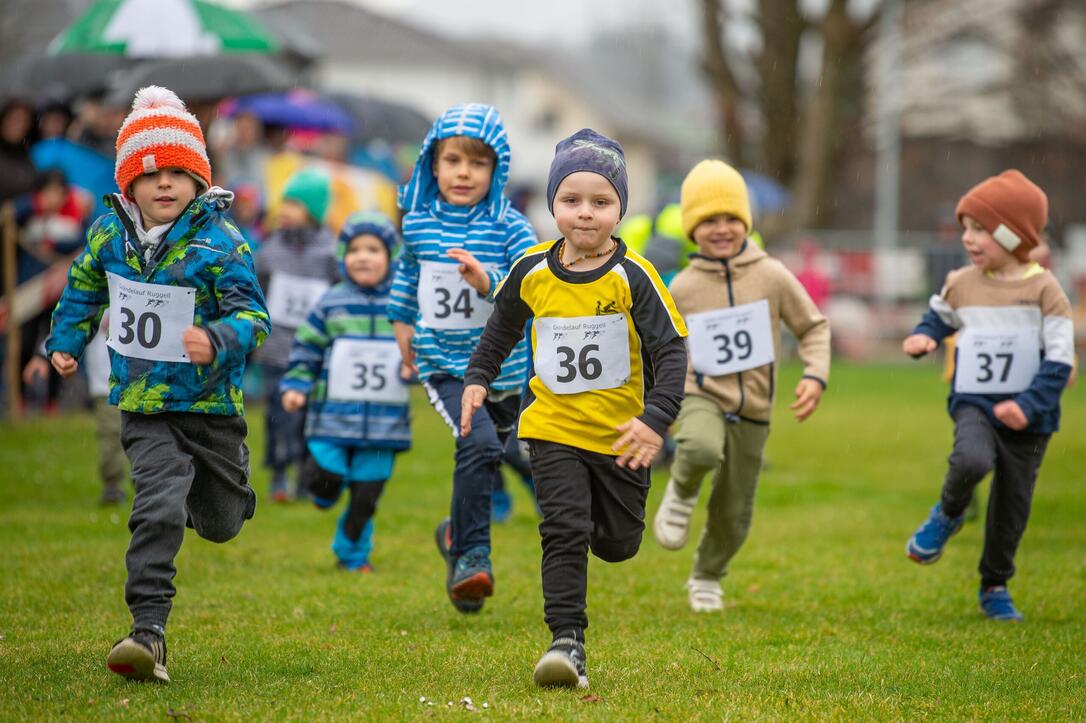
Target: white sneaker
{"points": [[672, 523], [705, 596]]}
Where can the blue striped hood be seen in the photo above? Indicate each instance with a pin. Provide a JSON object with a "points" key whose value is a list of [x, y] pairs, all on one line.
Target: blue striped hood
{"points": [[474, 120]]}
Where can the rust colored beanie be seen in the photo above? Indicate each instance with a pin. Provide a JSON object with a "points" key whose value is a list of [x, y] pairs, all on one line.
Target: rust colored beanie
{"points": [[160, 133], [1010, 207]]}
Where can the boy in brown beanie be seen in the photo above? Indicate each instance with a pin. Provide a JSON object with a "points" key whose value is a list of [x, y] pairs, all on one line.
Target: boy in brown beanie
{"points": [[733, 297], [1013, 359]]}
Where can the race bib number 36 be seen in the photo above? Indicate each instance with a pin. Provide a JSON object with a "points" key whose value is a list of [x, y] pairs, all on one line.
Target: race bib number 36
{"points": [[446, 301], [365, 370], [735, 339], [583, 353], [146, 320], [992, 361], [291, 297]]}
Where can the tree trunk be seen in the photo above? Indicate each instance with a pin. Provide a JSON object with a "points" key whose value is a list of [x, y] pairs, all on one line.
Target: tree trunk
{"points": [[714, 63], [782, 28]]}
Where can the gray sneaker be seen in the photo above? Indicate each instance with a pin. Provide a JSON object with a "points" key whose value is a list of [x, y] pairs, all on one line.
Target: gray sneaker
{"points": [[140, 656], [563, 665]]}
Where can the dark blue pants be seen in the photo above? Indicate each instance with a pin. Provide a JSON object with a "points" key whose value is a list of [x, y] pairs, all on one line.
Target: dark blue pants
{"points": [[284, 431], [478, 458]]}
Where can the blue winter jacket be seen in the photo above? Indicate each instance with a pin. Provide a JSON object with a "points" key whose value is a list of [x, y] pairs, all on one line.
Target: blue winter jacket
{"points": [[204, 251]]}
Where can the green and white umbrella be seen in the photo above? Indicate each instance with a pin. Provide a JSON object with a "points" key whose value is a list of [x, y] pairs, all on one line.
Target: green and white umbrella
{"points": [[163, 29]]}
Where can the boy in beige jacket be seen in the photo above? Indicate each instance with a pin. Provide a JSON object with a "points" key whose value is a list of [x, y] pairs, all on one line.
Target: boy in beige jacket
{"points": [[733, 297]]}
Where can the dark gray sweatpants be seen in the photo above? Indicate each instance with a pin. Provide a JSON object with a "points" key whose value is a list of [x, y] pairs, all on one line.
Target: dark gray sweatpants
{"points": [[1015, 457], [188, 469]]}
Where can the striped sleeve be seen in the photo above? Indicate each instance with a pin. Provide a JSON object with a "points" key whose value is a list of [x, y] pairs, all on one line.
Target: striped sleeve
{"points": [[403, 303], [85, 297], [307, 352], [1058, 337], [521, 238]]}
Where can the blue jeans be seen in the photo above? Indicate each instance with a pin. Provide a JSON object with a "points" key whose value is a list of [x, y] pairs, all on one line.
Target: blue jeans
{"points": [[478, 458], [285, 431]]}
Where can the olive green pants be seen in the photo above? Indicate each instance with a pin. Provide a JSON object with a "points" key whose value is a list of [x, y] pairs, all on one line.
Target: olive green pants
{"points": [[732, 451]]}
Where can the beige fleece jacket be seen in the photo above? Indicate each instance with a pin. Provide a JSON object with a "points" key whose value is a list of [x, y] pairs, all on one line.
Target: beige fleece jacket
{"points": [[751, 275]]}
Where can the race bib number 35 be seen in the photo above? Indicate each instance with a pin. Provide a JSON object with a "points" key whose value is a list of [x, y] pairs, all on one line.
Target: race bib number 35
{"points": [[146, 320], [992, 361], [291, 297], [446, 301], [735, 339], [365, 370], [583, 353]]}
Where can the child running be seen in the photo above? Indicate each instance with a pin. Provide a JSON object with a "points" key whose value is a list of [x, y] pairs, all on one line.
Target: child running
{"points": [[1014, 357], [609, 353], [345, 369], [185, 309]]}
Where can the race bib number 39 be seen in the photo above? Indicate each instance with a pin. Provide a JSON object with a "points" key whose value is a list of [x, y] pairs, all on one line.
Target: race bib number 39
{"points": [[146, 320], [291, 297], [446, 301], [365, 370], [583, 353], [992, 361], [735, 339]]}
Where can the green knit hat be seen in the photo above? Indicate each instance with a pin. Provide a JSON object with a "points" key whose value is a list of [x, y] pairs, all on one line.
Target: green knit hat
{"points": [[312, 188]]}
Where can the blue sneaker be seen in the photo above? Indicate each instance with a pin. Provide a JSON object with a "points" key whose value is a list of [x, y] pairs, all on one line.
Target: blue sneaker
{"points": [[472, 577], [443, 538], [926, 544], [501, 506], [997, 604]]}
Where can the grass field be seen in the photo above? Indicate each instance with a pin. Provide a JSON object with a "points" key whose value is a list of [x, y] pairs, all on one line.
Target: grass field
{"points": [[825, 617]]}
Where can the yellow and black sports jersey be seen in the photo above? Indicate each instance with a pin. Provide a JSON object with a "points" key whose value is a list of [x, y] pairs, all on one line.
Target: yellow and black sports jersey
{"points": [[607, 346]]}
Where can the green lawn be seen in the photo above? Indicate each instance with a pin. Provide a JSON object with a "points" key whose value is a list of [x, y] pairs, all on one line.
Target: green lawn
{"points": [[825, 616]]}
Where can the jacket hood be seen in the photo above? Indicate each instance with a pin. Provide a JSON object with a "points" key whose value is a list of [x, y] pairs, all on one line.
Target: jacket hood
{"points": [[474, 120], [750, 253]]}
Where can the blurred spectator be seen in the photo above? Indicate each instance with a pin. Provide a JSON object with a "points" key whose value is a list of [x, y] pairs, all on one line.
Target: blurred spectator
{"points": [[54, 117], [16, 136], [248, 211], [97, 124], [240, 153], [814, 279]]}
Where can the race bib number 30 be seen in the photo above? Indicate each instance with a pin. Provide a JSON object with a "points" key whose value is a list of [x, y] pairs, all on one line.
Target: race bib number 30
{"points": [[291, 297], [446, 301], [583, 353], [726, 341], [999, 361], [365, 370], [146, 320]]}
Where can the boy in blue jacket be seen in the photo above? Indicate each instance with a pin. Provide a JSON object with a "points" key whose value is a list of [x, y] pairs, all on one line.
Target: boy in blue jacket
{"points": [[185, 309], [461, 236], [344, 366]]}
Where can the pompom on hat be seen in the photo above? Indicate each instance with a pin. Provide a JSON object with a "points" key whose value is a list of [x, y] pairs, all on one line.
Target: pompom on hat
{"points": [[160, 133], [1010, 207]]}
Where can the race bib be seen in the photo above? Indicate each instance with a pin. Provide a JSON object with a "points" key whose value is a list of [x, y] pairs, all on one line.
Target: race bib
{"points": [[726, 341], [146, 320], [291, 297], [365, 370], [582, 353], [997, 361], [446, 301]]}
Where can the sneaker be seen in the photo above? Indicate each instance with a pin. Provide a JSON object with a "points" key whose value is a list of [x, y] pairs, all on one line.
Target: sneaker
{"points": [[997, 604], [563, 665], [926, 544], [501, 506], [672, 523], [112, 495], [363, 568], [280, 494], [705, 595], [472, 578], [140, 656], [443, 538]]}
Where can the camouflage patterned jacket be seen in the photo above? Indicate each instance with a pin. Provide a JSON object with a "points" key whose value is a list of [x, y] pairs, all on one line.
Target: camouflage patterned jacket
{"points": [[204, 251]]}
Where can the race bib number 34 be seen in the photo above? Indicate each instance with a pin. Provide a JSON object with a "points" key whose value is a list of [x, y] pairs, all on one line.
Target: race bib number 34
{"points": [[446, 301], [146, 320], [735, 339], [291, 297], [583, 353], [365, 370], [992, 361]]}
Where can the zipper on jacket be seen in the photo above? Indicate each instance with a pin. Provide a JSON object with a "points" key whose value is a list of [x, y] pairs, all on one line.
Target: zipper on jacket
{"points": [[731, 302]]}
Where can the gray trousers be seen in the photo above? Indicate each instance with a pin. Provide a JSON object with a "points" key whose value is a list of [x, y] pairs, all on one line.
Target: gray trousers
{"points": [[732, 451], [188, 470], [1015, 457]]}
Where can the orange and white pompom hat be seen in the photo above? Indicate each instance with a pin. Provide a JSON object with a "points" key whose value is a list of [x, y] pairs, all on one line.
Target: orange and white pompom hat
{"points": [[160, 133]]}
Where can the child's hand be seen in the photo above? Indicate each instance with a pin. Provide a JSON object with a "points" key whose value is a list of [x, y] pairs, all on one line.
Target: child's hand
{"points": [[64, 363], [292, 400], [638, 444], [1011, 415], [35, 369], [197, 345], [918, 345], [808, 394], [472, 271], [405, 333], [473, 398]]}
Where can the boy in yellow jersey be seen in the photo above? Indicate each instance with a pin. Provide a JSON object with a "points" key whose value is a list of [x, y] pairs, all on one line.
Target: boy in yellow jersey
{"points": [[609, 357]]}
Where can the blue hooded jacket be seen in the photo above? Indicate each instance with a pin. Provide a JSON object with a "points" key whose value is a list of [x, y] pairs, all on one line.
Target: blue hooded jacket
{"points": [[491, 230]]}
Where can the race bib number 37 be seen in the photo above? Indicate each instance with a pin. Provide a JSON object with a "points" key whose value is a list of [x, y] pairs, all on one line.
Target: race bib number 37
{"points": [[997, 361], [583, 353], [365, 370], [446, 301], [735, 339], [146, 320]]}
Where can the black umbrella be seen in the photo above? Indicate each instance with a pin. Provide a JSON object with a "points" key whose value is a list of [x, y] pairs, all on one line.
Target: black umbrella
{"points": [[205, 79], [379, 119], [61, 77]]}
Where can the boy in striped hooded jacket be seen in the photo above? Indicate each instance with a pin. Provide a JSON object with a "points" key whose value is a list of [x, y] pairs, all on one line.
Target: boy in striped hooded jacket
{"points": [[461, 236], [344, 366]]}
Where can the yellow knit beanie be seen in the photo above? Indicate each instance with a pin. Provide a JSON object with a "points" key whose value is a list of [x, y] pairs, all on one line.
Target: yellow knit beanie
{"points": [[711, 188]]}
